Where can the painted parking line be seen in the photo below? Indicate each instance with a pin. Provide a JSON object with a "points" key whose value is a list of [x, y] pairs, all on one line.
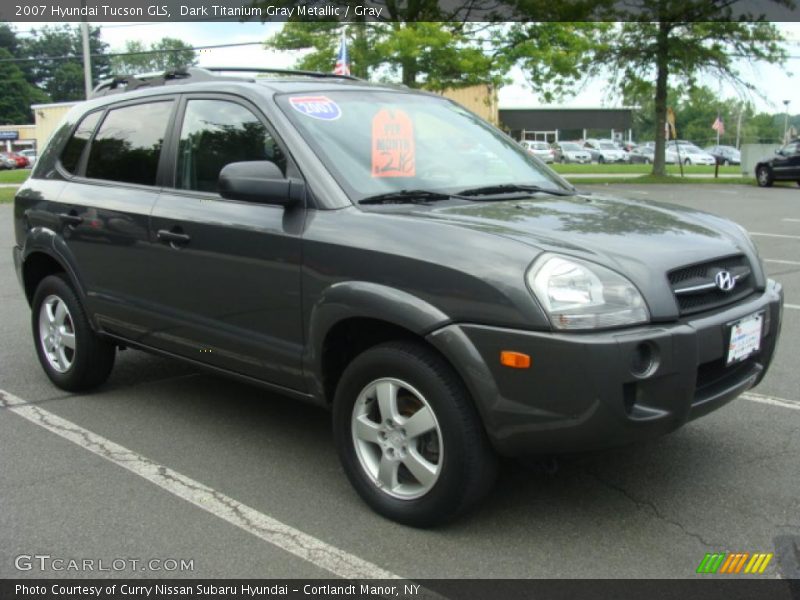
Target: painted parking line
{"points": [[791, 220], [782, 262], [771, 400], [775, 235], [792, 306], [319, 553]]}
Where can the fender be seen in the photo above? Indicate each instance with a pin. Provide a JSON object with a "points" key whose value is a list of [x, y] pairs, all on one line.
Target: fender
{"points": [[44, 240], [362, 299]]}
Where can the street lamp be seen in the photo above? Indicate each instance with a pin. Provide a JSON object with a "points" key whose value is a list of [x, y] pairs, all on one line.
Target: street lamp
{"points": [[785, 120]]}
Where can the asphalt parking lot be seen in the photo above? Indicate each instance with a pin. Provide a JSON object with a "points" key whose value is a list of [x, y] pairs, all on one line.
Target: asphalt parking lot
{"points": [[727, 482]]}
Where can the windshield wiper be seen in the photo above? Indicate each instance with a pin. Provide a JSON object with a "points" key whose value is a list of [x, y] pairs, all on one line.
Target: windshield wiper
{"points": [[405, 197], [509, 188]]}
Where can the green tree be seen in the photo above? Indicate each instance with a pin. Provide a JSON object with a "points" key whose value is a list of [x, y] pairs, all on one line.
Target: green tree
{"points": [[61, 78], [165, 55], [431, 55], [18, 94], [666, 48], [664, 42]]}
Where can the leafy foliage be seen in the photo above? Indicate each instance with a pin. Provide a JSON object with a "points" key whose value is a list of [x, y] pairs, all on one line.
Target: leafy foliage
{"points": [[164, 55], [18, 94]]}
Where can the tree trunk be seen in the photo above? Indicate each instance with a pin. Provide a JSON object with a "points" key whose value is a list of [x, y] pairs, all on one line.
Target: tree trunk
{"points": [[662, 78]]}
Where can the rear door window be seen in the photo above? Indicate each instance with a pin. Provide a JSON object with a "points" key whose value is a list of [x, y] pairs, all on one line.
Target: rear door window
{"points": [[128, 145]]}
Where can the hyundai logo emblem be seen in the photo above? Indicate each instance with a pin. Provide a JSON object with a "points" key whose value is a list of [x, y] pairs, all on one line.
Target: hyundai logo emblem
{"points": [[725, 281]]}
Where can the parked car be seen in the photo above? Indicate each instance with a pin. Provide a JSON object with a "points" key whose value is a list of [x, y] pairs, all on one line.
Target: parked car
{"points": [[641, 154], [308, 234], [571, 152], [22, 161], [541, 150], [689, 154], [784, 166], [605, 151], [30, 155], [725, 155], [6, 162]]}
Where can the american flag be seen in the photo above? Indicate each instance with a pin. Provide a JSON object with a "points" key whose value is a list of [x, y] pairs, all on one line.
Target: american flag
{"points": [[718, 126], [342, 62]]}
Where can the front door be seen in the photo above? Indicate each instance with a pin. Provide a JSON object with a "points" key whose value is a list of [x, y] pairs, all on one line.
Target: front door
{"points": [[227, 273]]}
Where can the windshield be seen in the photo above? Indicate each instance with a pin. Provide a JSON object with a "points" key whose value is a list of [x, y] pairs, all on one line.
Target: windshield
{"points": [[378, 142], [571, 147], [607, 146], [540, 146]]}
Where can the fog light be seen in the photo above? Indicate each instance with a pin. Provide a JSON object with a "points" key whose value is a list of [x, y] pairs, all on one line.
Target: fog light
{"points": [[644, 359]]}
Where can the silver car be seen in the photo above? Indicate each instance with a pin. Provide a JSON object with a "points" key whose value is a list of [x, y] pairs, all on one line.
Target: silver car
{"points": [[541, 150], [571, 152]]}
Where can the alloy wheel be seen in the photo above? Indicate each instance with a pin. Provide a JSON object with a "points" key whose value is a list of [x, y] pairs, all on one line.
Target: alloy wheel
{"points": [[57, 333]]}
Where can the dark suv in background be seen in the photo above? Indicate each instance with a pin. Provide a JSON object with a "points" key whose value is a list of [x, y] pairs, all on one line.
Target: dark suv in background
{"points": [[388, 254]]}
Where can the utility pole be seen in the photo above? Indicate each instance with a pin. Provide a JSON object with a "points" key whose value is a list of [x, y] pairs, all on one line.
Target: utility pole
{"points": [[786, 121], [739, 124], [87, 59]]}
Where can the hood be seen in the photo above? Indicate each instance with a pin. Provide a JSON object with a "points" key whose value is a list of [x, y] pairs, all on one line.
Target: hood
{"points": [[641, 240]]}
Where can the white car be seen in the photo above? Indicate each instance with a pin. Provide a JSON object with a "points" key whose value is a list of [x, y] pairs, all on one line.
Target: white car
{"points": [[541, 150], [689, 154], [606, 151]]}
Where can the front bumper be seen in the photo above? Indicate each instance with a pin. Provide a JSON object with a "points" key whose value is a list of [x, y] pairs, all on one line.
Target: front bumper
{"points": [[581, 393]]}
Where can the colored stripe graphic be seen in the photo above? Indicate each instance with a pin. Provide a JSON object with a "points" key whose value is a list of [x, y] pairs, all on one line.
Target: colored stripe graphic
{"points": [[734, 563], [711, 562]]}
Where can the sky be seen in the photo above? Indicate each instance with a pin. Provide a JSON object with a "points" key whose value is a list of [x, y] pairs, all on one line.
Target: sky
{"points": [[777, 83]]}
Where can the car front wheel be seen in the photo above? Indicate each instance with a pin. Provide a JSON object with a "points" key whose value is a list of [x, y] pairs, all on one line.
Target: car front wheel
{"points": [[764, 177], [71, 354], [408, 436]]}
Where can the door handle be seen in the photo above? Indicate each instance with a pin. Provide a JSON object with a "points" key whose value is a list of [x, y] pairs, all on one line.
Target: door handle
{"points": [[70, 218], [174, 238]]}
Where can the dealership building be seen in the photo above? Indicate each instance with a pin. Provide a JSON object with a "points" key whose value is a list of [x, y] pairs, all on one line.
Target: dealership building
{"points": [[557, 123]]}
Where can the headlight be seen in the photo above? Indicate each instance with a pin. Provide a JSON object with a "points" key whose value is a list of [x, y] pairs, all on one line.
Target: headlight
{"points": [[577, 294]]}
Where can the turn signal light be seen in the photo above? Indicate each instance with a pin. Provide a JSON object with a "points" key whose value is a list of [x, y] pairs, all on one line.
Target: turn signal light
{"points": [[515, 360]]}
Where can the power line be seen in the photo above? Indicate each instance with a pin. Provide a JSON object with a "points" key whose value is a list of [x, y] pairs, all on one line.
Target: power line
{"points": [[141, 53]]}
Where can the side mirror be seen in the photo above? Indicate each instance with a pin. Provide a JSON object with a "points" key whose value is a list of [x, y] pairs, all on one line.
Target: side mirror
{"points": [[259, 181], [779, 151]]}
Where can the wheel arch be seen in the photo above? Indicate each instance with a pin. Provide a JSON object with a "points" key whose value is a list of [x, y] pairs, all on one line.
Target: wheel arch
{"points": [[350, 317]]}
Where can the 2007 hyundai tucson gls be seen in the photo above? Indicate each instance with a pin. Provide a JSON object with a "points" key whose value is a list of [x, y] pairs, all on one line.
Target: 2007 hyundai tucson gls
{"points": [[388, 254]]}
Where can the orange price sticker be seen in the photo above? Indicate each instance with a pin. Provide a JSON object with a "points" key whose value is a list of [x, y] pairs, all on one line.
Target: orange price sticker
{"points": [[392, 144]]}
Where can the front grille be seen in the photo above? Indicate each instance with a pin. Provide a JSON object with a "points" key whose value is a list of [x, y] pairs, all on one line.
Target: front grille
{"points": [[695, 288]]}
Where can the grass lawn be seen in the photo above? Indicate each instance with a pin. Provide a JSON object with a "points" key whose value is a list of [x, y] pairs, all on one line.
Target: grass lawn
{"points": [[7, 195], [667, 179], [15, 176], [640, 169]]}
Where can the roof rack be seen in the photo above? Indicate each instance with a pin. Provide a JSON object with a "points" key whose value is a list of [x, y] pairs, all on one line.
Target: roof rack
{"points": [[127, 83]]}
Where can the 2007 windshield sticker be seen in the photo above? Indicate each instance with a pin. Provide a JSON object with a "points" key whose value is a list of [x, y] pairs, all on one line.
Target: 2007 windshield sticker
{"points": [[316, 107], [393, 153]]}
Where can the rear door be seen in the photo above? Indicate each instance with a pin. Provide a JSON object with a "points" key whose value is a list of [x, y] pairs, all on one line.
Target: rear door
{"points": [[111, 162], [227, 273]]}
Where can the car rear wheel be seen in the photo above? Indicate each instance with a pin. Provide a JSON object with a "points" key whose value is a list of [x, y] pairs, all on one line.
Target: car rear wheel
{"points": [[726, 162], [764, 176], [687, 162], [408, 436], [71, 354], [601, 160]]}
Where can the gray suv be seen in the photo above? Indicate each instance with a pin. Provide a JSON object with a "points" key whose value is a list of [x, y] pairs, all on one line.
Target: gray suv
{"points": [[389, 255]]}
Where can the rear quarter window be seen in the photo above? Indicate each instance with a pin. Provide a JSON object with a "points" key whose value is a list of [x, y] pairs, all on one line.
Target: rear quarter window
{"points": [[73, 150]]}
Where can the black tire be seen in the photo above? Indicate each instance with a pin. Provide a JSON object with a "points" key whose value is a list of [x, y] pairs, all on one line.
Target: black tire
{"points": [[726, 162], [798, 182], [764, 176], [600, 160], [92, 357], [687, 162], [467, 463]]}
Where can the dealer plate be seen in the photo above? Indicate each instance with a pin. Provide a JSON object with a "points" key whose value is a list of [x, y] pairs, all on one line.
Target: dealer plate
{"points": [[745, 337]]}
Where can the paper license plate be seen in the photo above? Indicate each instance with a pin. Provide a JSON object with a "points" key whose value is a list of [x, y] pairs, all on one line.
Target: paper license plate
{"points": [[745, 337]]}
